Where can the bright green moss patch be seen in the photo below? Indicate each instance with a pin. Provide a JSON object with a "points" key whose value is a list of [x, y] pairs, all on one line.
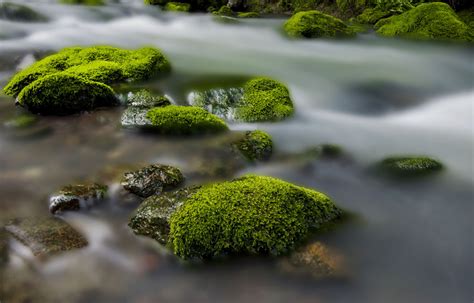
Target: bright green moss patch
{"points": [[184, 120], [427, 21], [253, 215], [63, 94], [255, 145], [410, 166], [248, 15], [372, 16], [264, 100], [177, 7], [224, 11], [314, 24]]}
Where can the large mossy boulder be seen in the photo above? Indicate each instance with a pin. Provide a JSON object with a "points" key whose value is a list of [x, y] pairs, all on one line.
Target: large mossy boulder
{"points": [[427, 21], [177, 7], [252, 215], [264, 99], [76, 79], [184, 120], [21, 13], [408, 166], [315, 24]]}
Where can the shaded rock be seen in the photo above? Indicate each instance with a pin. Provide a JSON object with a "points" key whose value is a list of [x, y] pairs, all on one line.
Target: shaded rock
{"points": [[177, 7], [45, 236], [76, 197], [314, 24], [316, 260], [17, 12], [152, 218], [152, 180], [255, 145], [4, 249], [406, 166]]}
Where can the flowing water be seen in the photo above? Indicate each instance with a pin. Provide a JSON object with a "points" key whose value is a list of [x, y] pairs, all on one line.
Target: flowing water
{"points": [[408, 242]]}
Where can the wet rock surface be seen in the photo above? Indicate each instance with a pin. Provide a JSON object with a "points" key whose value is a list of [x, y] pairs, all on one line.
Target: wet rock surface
{"points": [[16, 12], [76, 197], [152, 217], [409, 166], [152, 180], [220, 101], [316, 260], [45, 236]]}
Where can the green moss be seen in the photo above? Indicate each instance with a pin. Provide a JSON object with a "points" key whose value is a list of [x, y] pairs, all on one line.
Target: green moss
{"points": [[372, 16], [101, 63], [251, 215], [248, 15], [146, 100], [16, 12], [314, 24], [255, 145], [195, 5], [264, 100], [426, 21], [83, 2], [62, 94], [410, 165], [351, 5], [184, 120], [224, 11], [467, 16], [177, 7]]}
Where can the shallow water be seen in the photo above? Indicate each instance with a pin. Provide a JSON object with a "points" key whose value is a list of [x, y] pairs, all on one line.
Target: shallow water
{"points": [[408, 241]]}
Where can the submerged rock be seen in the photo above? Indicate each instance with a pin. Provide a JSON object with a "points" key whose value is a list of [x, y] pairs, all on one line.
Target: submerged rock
{"points": [[255, 145], [21, 121], [152, 180], [76, 197], [427, 21], [45, 236], [221, 102], [314, 24], [316, 260], [152, 218], [410, 165], [373, 15], [17, 12], [248, 215], [145, 99], [80, 77]]}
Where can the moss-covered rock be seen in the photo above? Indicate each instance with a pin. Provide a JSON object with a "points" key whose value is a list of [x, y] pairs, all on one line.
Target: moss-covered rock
{"points": [[152, 217], [45, 236], [250, 215], [177, 7], [221, 102], [83, 2], [427, 21], [152, 180], [467, 16], [314, 24], [372, 15], [63, 93], [255, 145], [145, 99], [77, 196], [264, 99], [224, 11], [17, 12], [247, 15], [410, 165], [184, 120]]}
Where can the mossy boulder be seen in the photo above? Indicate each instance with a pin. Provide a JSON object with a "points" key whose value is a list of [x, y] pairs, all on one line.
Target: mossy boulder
{"points": [[184, 120], [152, 180], [77, 196], [63, 93], [45, 236], [314, 24], [17, 12], [255, 145], [177, 7], [264, 99], [76, 79], [372, 15], [410, 166], [248, 15], [427, 21], [145, 99], [224, 11], [253, 215]]}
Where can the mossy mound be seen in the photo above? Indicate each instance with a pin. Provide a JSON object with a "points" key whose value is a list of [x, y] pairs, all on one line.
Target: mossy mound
{"points": [[177, 7], [427, 21], [88, 69], [255, 145], [184, 120], [62, 94], [224, 11], [248, 15], [17, 12], [264, 99], [314, 24], [410, 166], [251, 215], [146, 100]]}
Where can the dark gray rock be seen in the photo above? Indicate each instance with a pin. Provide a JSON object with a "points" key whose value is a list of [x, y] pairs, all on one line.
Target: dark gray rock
{"points": [[77, 196], [16, 12]]}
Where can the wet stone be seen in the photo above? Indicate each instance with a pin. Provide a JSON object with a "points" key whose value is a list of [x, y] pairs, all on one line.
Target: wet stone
{"points": [[151, 219], [144, 99], [316, 260], [221, 102], [152, 180], [16, 12], [409, 166], [135, 117], [45, 236], [76, 197]]}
